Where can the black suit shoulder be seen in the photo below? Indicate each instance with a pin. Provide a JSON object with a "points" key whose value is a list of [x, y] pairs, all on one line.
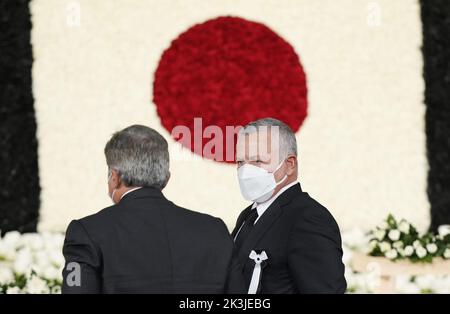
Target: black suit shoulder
{"points": [[315, 247], [192, 221], [200, 220], [304, 210]]}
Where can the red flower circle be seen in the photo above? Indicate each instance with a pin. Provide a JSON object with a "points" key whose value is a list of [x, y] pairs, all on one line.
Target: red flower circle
{"points": [[229, 71]]}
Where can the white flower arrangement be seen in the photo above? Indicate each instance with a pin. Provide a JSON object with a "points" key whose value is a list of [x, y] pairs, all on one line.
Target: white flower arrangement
{"points": [[31, 263], [355, 243], [400, 240]]}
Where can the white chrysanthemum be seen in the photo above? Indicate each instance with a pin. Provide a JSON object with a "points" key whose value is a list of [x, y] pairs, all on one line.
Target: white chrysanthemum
{"points": [[22, 263], [398, 244], [447, 254], [403, 284], [432, 248], [373, 244], [7, 251], [379, 234], [383, 225], [385, 246], [55, 290], [56, 258], [6, 275], [425, 282], [391, 254], [33, 240], [443, 230], [36, 285], [404, 226], [52, 272], [354, 238], [41, 260], [394, 234], [408, 251], [53, 241], [13, 290], [417, 244], [12, 238], [421, 252]]}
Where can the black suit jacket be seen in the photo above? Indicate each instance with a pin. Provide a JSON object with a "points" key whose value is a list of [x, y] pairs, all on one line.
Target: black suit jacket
{"points": [[303, 244], [147, 244]]}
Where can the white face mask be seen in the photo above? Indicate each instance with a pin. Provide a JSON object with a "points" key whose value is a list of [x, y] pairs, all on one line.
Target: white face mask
{"points": [[257, 184]]}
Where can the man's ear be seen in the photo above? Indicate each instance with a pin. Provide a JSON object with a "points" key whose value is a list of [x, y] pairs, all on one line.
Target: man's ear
{"points": [[291, 162], [115, 179]]}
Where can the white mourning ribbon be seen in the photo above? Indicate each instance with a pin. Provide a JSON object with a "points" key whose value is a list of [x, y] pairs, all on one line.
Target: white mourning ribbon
{"points": [[258, 259]]}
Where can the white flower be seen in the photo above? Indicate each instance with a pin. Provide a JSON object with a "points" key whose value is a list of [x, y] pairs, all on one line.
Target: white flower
{"points": [[55, 290], [425, 282], [13, 290], [391, 254], [408, 251], [404, 226], [403, 284], [373, 244], [421, 252], [447, 254], [379, 234], [56, 258], [22, 263], [432, 248], [354, 238], [347, 254], [385, 246], [6, 275], [36, 285], [12, 238], [52, 273], [398, 244], [443, 230], [394, 234], [7, 251], [417, 244], [33, 240]]}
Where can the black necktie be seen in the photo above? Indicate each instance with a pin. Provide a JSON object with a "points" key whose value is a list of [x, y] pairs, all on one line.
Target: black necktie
{"points": [[246, 228]]}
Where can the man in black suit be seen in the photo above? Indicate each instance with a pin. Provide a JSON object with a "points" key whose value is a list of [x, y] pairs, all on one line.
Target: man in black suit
{"points": [[144, 243], [285, 242]]}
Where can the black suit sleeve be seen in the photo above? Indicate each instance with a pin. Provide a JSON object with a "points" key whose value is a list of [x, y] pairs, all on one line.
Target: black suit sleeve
{"points": [[234, 282], [315, 253], [81, 273]]}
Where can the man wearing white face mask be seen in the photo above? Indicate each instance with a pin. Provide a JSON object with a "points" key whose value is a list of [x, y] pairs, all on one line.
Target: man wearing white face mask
{"points": [[285, 242]]}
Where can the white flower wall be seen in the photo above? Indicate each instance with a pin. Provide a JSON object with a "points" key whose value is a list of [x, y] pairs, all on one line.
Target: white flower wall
{"points": [[362, 146]]}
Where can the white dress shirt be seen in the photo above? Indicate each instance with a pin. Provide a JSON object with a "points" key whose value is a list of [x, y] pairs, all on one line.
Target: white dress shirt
{"points": [[129, 191], [262, 207]]}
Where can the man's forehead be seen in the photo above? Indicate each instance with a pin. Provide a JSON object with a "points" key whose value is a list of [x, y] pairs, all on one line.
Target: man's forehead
{"points": [[255, 138], [256, 145]]}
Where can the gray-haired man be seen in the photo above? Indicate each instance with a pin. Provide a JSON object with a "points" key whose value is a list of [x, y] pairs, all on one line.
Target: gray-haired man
{"points": [[285, 241], [144, 243]]}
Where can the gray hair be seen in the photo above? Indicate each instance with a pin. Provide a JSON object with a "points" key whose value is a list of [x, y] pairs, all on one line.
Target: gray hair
{"points": [[140, 155], [287, 141]]}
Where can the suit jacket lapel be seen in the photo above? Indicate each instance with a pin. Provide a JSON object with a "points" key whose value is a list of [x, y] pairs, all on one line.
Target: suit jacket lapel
{"points": [[266, 221], [241, 220]]}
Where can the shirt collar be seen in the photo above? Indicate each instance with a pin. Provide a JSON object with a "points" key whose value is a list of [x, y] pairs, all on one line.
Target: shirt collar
{"points": [[261, 207], [129, 191]]}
